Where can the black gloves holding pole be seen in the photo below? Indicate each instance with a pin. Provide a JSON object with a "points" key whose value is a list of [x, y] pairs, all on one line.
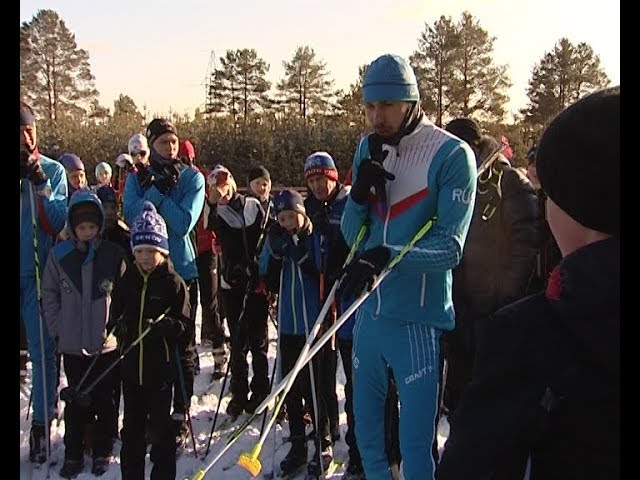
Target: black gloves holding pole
{"points": [[371, 173], [363, 270]]}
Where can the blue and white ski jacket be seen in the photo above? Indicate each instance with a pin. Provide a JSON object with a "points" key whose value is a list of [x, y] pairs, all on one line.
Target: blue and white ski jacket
{"points": [[435, 177], [50, 201], [180, 208]]}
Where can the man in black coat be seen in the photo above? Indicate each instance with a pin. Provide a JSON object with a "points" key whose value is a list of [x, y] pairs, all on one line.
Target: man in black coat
{"points": [[499, 255], [546, 376]]}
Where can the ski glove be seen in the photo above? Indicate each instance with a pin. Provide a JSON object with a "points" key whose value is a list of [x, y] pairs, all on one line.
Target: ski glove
{"points": [[168, 179], [279, 240], [165, 183], [31, 169], [363, 271], [166, 327], [370, 174], [145, 177], [297, 249]]}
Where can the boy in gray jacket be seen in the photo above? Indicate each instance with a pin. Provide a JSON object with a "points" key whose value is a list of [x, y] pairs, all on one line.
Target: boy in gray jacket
{"points": [[76, 294]]}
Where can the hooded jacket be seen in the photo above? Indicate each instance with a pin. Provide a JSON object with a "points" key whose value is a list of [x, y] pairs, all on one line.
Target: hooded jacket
{"points": [[77, 284], [546, 380]]}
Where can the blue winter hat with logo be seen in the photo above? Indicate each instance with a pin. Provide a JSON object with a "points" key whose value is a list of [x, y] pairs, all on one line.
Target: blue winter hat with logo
{"points": [[289, 200], [149, 230], [320, 163], [390, 78]]}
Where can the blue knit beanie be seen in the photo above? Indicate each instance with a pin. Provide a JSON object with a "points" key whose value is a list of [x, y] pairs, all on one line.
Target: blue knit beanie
{"points": [[289, 200], [71, 162], [149, 230], [390, 78]]}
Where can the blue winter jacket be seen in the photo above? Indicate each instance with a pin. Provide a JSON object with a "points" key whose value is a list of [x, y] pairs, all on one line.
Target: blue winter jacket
{"points": [[331, 250], [298, 296], [180, 208], [435, 177], [50, 201]]}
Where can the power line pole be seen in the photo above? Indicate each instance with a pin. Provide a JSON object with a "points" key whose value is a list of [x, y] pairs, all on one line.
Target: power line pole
{"points": [[211, 68]]}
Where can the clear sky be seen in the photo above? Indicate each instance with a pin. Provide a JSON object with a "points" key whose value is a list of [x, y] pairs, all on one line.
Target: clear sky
{"points": [[158, 52]]}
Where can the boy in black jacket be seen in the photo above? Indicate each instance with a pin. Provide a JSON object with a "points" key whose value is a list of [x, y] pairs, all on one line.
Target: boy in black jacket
{"points": [[546, 376], [149, 289]]}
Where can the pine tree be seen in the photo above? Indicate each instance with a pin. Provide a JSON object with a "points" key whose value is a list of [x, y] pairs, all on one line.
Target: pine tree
{"points": [[479, 87], [434, 65], [239, 85], [306, 83], [55, 74], [562, 76]]}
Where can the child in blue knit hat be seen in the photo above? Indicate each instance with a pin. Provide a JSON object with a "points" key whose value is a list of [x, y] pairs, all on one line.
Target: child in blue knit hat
{"points": [[290, 255], [149, 289]]}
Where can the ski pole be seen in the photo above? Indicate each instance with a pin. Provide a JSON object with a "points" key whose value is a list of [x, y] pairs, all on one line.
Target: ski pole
{"points": [[41, 326], [249, 460], [309, 352], [183, 389], [83, 396], [234, 337], [68, 394]]}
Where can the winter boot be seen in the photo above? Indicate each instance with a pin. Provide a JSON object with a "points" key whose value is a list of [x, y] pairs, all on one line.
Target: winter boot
{"points": [[181, 431], [37, 443], [219, 361], [326, 457], [335, 433], [236, 405], [71, 468], [24, 358], [282, 415], [355, 471], [100, 465], [295, 459], [254, 402]]}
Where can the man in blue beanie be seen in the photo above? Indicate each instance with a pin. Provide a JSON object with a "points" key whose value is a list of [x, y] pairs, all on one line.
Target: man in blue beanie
{"points": [[406, 173]]}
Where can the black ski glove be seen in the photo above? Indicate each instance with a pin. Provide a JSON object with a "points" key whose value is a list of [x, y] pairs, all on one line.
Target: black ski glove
{"points": [[165, 183], [370, 174], [145, 177], [115, 326], [167, 327], [168, 179], [297, 248], [31, 169], [279, 240], [363, 271]]}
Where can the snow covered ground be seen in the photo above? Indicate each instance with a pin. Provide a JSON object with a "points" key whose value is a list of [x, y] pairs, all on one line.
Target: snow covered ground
{"points": [[203, 406]]}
